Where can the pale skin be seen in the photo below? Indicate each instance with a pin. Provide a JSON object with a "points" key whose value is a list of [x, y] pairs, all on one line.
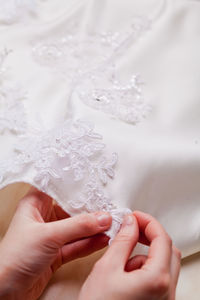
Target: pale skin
{"points": [[42, 237], [141, 277]]}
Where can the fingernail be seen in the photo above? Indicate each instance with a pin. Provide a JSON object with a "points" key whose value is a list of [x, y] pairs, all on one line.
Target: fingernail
{"points": [[128, 220], [103, 219]]}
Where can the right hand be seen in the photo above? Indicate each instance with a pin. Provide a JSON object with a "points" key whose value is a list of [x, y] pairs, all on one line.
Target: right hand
{"points": [[116, 276]]}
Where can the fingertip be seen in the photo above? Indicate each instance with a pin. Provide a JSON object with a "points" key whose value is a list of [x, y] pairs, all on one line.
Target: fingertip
{"points": [[104, 219], [139, 213], [129, 220], [124, 242], [134, 218], [143, 218]]}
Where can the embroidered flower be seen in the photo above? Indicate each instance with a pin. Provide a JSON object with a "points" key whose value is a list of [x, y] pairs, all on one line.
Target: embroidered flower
{"points": [[125, 102], [69, 155], [89, 63]]}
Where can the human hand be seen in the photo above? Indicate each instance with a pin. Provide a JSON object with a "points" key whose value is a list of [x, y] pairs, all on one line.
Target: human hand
{"points": [[116, 276], [40, 238]]}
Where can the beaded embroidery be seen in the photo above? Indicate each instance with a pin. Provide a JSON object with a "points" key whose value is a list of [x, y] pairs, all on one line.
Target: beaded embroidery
{"points": [[76, 55], [88, 63], [71, 152], [125, 102]]}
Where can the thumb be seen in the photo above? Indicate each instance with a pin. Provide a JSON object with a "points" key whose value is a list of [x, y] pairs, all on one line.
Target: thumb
{"points": [[124, 242], [77, 227]]}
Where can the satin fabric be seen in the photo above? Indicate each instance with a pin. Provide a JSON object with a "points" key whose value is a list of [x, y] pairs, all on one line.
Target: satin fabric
{"points": [[158, 167]]}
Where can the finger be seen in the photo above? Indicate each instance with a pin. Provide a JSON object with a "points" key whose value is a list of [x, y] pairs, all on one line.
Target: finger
{"points": [[40, 196], [77, 227], [124, 242], [143, 240], [175, 269], [135, 263], [160, 250], [37, 205], [83, 247], [32, 190]]}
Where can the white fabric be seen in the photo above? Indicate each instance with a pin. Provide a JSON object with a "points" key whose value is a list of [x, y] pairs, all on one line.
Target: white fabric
{"points": [[129, 68]]}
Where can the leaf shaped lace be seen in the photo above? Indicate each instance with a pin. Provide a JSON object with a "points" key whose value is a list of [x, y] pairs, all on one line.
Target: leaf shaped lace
{"points": [[71, 153], [70, 161]]}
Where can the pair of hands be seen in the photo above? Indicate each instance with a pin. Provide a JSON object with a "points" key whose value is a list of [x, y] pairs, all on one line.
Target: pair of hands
{"points": [[42, 237]]}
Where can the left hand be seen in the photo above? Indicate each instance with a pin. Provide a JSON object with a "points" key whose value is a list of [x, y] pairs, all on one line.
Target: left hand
{"points": [[42, 237]]}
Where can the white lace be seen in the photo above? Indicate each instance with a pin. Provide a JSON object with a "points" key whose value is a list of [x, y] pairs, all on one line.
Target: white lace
{"points": [[12, 111], [88, 63], [12, 11], [75, 55], [125, 102], [71, 152]]}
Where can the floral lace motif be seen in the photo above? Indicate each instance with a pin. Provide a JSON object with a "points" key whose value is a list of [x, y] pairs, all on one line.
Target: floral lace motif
{"points": [[73, 153], [12, 112], [75, 55], [69, 153], [74, 144], [13, 10], [126, 102], [89, 64]]}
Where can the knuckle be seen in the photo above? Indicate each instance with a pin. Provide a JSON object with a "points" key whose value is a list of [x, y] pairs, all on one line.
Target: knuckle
{"points": [[122, 238], [27, 199], [48, 236], [21, 203], [160, 284], [163, 283], [48, 231]]}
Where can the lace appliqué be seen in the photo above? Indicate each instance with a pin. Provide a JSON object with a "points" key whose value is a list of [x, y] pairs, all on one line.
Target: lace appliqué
{"points": [[125, 102], [74, 55], [72, 154], [89, 64], [12, 112], [12, 11]]}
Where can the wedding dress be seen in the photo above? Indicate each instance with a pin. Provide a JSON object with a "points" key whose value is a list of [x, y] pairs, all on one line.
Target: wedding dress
{"points": [[99, 107]]}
